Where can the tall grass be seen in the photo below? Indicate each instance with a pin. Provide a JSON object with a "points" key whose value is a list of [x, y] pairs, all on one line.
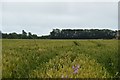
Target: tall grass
{"points": [[60, 59]]}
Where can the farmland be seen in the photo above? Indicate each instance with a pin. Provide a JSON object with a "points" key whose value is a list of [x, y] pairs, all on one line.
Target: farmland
{"points": [[27, 58]]}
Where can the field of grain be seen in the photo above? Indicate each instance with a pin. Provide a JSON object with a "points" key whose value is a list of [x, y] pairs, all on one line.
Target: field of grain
{"points": [[59, 58]]}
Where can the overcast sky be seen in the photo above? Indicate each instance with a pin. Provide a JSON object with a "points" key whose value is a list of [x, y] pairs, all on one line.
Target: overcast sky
{"points": [[41, 17]]}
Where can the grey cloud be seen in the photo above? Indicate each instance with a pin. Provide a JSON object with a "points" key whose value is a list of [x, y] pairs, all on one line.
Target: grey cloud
{"points": [[41, 17]]}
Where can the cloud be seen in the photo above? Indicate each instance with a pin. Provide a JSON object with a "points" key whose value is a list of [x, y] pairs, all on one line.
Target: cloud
{"points": [[42, 17]]}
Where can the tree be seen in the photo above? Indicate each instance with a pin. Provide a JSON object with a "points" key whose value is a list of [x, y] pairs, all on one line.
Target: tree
{"points": [[82, 34], [24, 35], [0, 35], [29, 35], [67, 34], [34, 36]]}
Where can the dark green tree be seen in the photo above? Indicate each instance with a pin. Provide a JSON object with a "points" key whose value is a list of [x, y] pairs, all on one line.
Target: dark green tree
{"points": [[24, 34]]}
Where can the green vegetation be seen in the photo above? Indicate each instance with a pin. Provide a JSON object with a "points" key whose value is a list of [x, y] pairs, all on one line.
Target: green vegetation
{"points": [[67, 34], [60, 58]]}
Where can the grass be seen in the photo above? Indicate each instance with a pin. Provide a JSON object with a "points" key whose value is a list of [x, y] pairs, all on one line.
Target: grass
{"points": [[60, 58]]}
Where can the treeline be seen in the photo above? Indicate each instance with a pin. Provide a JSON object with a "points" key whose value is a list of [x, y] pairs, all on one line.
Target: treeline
{"points": [[24, 35], [67, 34], [83, 34]]}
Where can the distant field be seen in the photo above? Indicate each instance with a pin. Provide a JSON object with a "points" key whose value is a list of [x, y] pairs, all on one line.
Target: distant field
{"points": [[60, 58]]}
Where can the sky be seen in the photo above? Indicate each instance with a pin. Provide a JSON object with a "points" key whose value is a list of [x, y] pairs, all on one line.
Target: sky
{"points": [[41, 17]]}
